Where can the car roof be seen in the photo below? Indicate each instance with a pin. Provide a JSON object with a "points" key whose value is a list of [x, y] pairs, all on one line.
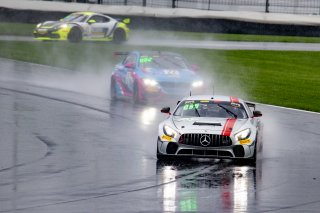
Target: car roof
{"points": [[157, 53], [213, 97], [88, 13]]}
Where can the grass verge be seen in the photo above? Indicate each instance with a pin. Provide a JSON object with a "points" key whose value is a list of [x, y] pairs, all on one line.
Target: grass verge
{"points": [[290, 79]]}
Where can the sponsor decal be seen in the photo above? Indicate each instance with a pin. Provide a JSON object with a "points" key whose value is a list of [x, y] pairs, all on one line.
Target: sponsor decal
{"points": [[166, 137], [145, 59], [245, 141], [237, 105], [171, 72], [228, 126]]}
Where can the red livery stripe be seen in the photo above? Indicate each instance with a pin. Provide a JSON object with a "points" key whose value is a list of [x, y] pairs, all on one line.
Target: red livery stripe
{"points": [[234, 99], [228, 126]]}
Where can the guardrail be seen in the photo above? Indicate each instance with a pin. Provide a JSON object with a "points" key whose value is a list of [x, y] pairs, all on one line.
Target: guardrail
{"points": [[268, 6]]}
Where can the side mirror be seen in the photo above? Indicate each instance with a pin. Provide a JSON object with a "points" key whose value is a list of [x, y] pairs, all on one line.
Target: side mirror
{"points": [[166, 110], [91, 21], [130, 65], [257, 113]]}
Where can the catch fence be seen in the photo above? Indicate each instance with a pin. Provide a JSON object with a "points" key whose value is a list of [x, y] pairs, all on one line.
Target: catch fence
{"points": [[311, 7]]}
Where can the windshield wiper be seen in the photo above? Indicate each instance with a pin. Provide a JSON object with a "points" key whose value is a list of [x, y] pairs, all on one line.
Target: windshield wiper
{"points": [[197, 112], [228, 111]]}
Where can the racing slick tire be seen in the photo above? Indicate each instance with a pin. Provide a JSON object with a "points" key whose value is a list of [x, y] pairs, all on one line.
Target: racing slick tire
{"points": [[135, 94], [249, 161], [75, 35], [119, 36], [113, 94], [162, 157]]}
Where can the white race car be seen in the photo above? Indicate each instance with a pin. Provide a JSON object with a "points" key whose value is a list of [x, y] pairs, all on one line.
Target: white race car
{"points": [[83, 26], [211, 126]]}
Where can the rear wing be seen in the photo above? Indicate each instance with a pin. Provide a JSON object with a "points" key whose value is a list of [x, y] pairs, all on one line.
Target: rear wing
{"points": [[126, 21], [251, 105]]}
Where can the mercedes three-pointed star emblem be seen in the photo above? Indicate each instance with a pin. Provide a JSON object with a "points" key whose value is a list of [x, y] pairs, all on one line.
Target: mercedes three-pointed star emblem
{"points": [[205, 140]]}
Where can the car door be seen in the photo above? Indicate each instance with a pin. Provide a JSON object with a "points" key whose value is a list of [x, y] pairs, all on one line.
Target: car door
{"points": [[100, 26]]}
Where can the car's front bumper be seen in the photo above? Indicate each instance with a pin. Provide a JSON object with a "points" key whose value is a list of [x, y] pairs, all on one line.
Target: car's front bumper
{"points": [[233, 151], [50, 34]]}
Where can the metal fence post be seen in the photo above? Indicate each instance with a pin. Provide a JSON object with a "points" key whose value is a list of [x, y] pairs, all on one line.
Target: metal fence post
{"points": [[125, 2], [267, 6], [173, 3], [144, 3]]}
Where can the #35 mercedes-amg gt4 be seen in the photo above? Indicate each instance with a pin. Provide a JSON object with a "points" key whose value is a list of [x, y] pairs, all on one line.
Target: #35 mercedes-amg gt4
{"points": [[153, 75], [84, 26], [211, 126]]}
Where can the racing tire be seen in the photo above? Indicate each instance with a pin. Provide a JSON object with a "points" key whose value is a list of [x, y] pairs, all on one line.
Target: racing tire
{"points": [[162, 157], [119, 36], [247, 161], [135, 94], [75, 35], [253, 159], [113, 94]]}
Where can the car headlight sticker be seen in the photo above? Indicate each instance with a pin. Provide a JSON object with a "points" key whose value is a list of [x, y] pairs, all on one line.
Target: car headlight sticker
{"points": [[169, 131], [150, 82], [64, 26], [243, 135]]}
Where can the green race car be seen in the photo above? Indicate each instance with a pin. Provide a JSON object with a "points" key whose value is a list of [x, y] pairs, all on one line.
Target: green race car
{"points": [[84, 26]]}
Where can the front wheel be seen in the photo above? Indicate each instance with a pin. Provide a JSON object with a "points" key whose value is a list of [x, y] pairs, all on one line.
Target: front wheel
{"points": [[135, 94], [113, 90], [162, 157], [75, 35], [119, 36]]}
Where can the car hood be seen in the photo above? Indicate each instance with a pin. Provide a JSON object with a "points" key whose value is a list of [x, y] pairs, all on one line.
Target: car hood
{"points": [[172, 75], [51, 24], [205, 124]]}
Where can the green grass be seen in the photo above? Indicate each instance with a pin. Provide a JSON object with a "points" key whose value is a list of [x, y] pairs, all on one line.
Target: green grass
{"points": [[22, 29], [290, 79], [18, 29]]}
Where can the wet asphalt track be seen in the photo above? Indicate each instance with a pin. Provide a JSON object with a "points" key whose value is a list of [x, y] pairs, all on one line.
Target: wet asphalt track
{"points": [[204, 44], [65, 151]]}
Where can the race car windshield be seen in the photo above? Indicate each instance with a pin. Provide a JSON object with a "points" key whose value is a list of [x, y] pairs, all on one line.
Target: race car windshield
{"points": [[209, 108], [75, 18], [163, 62]]}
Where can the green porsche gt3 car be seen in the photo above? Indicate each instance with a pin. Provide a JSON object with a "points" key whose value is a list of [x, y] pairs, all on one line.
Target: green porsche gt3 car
{"points": [[80, 26]]}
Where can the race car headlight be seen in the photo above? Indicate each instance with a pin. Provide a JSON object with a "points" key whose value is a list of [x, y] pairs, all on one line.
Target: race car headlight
{"points": [[244, 134], [196, 84], [62, 26], [150, 82], [39, 25], [169, 131]]}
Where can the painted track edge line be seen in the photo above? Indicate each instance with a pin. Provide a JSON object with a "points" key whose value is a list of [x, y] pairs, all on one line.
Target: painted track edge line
{"points": [[287, 108]]}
